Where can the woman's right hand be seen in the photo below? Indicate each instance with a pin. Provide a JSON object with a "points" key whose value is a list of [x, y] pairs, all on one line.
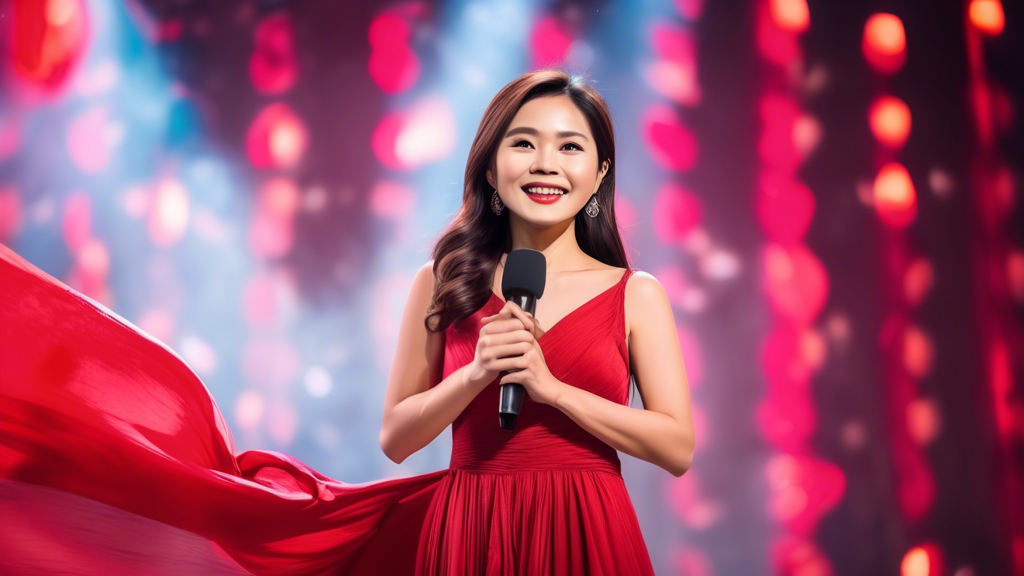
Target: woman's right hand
{"points": [[503, 337]]}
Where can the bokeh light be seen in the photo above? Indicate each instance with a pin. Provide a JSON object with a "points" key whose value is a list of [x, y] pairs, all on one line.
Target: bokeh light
{"points": [[987, 16], [884, 42], [50, 41], [277, 138], [673, 146], [393, 65], [168, 216], [894, 198], [790, 15], [889, 118], [273, 66]]}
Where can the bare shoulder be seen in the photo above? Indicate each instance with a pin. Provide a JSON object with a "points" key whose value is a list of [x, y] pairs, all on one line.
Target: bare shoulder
{"points": [[645, 297], [424, 279]]}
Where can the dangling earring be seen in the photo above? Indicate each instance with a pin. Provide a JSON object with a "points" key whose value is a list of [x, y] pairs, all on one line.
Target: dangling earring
{"points": [[496, 205], [593, 208]]}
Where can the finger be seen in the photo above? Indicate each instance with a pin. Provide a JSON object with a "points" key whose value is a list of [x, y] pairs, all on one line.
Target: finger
{"points": [[503, 313], [510, 364], [523, 316], [503, 351]]}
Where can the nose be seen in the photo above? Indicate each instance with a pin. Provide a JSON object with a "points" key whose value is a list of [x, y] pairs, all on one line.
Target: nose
{"points": [[542, 162]]}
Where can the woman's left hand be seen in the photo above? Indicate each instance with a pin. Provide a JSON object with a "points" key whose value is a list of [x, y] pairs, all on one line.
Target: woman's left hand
{"points": [[532, 372]]}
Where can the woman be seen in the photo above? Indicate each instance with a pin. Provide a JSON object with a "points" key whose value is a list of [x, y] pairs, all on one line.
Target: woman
{"points": [[89, 405]]}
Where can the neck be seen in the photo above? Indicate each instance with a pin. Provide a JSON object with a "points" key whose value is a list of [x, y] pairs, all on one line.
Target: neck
{"points": [[557, 243]]}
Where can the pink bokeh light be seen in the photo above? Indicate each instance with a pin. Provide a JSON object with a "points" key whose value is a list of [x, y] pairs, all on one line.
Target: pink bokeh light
{"points": [[277, 138], [273, 66], [549, 42], [676, 213], [673, 146]]}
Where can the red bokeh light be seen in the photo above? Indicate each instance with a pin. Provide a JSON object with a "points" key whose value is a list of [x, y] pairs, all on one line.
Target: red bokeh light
{"points": [[787, 420], [796, 282], [672, 144], [790, 15], [793, 556], [273, 67], [48, 40], [777, 145], [277, 138], [987, 16], [549, 42], [777, 45], [884, 42], [923, 560], [785, 208], [393, 65], [889, 118], [894, 197]]}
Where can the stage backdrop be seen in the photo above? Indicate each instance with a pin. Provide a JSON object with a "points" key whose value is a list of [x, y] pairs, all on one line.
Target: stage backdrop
{"points": [[828, 191]]}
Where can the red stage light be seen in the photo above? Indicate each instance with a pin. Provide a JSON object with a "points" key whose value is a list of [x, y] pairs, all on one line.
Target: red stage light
{"points": [[796, 282], [884, 42], [549, 42], [987, 16], [672, 144], [48, 40], [890, 121], [394, 70], [393, 65], [923, 560], [273, 67], [777, 145], [276, 138], [790, 15], [777, 45], [785, 207], [894, 196]]}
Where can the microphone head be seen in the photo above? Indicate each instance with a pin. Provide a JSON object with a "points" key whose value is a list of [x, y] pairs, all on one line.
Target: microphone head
{"points": [[525, 271]]}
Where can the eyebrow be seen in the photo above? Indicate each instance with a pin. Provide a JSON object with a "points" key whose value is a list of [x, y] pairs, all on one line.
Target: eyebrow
{"points": [[533, 132]]}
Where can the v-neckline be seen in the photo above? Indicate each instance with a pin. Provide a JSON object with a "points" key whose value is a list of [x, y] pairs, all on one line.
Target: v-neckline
{"points": [[500, 300]]}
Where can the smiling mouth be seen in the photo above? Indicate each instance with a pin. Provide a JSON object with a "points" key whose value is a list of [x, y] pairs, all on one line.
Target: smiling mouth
{"points": [[544, 191]]}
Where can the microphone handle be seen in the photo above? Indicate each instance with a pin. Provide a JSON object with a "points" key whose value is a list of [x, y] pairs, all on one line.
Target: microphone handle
{"points": [[512, 394]]}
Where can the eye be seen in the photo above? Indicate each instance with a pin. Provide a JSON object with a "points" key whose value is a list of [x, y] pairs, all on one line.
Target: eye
{"points": [[576, 146]]}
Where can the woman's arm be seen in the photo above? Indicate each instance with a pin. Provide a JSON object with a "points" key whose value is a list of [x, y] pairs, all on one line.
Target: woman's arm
{"points": [[414, 411], [662, 433]]}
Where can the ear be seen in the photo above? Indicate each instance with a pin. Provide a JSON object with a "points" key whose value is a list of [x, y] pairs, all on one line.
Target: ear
{"points": [[490, 179], [600, 175]]}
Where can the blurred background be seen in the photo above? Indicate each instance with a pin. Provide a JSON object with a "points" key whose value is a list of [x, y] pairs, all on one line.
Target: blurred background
{"points": [[828, 191]]}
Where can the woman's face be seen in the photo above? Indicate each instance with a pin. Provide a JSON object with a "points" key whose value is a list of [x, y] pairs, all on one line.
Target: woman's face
{"points": [[548, 145]]}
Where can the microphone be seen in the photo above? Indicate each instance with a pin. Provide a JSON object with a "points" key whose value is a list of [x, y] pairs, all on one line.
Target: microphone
{"points": [[522, 283]]}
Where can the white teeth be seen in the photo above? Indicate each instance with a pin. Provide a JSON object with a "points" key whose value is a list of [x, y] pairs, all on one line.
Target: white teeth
{"points": [[555, 191]]}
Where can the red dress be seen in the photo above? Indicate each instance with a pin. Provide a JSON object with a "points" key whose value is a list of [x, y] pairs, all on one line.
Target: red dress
{"points": [[103, 427]]}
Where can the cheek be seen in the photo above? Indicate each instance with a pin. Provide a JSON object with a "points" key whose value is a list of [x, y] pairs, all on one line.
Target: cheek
{"points": [[511, 166]]}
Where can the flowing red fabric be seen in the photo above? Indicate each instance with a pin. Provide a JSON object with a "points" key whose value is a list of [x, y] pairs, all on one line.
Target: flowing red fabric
{"points": [[114, 459]]}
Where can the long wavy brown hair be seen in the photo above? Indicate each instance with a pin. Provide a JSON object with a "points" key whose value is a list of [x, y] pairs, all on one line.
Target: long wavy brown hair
{"points": [[470, 248]]}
